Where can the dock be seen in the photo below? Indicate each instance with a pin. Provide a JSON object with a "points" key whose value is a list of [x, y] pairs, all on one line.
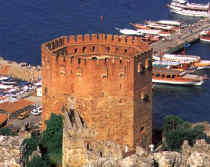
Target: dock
{"points": [[178, 41]]}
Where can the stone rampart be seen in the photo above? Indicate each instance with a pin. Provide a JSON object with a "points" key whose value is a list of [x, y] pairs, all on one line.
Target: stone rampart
{"points": [[21, 71]]}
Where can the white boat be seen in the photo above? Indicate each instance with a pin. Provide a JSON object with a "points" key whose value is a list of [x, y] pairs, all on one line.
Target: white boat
{"points": [[179, 58], [6, 86], [128, 31], [169, 22], [3, 78], [205, 36], [193, 61], [174, 77], [183, 7]]}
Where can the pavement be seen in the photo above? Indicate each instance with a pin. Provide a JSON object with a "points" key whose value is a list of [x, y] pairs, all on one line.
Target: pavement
{"points": [[35, 99]]}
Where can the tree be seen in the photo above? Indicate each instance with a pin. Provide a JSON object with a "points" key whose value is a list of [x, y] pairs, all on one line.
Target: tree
{"points": [[52, 139], [37, 161], [29, 145], [50, 144], [7, 132], [176, 130]]}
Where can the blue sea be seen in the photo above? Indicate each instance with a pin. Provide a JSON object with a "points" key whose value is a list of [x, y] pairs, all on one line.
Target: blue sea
{"points": [[25, 25]]}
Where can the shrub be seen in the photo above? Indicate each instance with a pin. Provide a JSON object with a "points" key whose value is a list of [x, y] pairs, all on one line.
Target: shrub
{"points": [[37, 161], [176, 130]]}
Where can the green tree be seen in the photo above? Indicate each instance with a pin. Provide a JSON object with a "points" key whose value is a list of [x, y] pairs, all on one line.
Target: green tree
{"points": [[176, 130], [7, 132], [29, 145], [52, 139], [37, 161]]}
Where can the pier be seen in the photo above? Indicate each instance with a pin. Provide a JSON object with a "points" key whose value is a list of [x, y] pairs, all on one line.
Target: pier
{"points": [[189, 34]]}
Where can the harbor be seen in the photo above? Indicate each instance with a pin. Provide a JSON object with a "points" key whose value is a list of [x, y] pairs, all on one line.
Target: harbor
{"points": [[180, 40]]}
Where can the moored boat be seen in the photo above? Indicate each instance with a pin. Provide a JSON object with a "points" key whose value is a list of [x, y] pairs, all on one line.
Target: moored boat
{"points": [[187, 61], [205, 36], [175, 77], [183, 7]]}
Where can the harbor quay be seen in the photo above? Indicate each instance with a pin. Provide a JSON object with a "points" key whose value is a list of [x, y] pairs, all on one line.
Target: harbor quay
{"points": [[180, 39]]}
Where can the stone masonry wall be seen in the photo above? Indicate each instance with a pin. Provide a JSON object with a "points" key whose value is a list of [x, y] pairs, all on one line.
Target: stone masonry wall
{"points": [[13, 69]]}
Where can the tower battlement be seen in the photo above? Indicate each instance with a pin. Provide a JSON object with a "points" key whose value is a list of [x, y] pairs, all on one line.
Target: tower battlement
{"points": [[96, 44]]}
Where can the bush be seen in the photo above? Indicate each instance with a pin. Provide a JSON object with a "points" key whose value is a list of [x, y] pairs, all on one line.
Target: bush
{"points": [[37, 161], [52, 139], [29, 145], [50, 144], [176, 130], [7, 132]]}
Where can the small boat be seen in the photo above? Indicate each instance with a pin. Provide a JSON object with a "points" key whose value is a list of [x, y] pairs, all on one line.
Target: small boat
{"points": [[203, 64], [170, 22], [175, 77], [205, 36], [173, 65], [183, 7], [190, 62]]}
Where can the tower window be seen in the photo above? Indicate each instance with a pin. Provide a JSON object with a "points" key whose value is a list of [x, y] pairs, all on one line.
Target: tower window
{"points": [[83, 49], [94, 58], [75, 50], [139, 68], [108, 49], [79, 60]]}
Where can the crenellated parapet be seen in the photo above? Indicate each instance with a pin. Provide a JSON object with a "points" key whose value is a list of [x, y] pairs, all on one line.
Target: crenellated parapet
{"points": [[89, 45]]}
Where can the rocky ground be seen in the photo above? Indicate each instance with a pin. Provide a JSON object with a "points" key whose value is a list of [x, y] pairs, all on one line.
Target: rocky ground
{"points": [[10, 151], [196, 156]]}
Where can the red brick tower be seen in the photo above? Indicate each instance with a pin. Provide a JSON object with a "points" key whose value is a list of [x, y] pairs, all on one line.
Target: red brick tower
{"points": [[107, 79]]}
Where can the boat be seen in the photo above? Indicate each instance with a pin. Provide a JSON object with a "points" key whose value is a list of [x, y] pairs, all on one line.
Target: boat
{"points": [[175, 77], [178, 57], [190, 62], [205, 36], [170, 22], [202, 64], [183, 7], [173, 65]]}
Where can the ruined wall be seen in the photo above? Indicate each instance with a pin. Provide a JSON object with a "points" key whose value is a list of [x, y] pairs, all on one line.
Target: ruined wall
{"points": [[101, 74], [13, 69]]}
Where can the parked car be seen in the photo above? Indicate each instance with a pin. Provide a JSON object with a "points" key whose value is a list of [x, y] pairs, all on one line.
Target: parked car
{"points": [[37, 111], [23, 115]]}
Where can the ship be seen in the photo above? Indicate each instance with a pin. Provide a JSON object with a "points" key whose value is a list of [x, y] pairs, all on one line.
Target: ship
{"points": [[183, 7], [175, 77], [187, 61], [173, 65], [205, 36]]}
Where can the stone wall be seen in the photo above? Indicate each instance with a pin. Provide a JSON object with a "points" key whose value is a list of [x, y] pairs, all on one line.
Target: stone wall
{"points": [[108, 79], [19, 70]]}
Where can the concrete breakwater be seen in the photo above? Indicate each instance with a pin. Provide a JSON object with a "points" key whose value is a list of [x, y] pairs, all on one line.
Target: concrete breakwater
{"points": [[23, 71]]}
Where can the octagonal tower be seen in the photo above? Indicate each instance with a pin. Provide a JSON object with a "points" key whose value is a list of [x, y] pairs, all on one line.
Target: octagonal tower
{"points": [[106, 79]]}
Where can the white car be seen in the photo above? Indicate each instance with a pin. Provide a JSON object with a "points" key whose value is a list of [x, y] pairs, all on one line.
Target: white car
{"points": [[36, 111]]}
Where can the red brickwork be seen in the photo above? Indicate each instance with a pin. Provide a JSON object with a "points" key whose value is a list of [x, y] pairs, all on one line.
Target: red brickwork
{"points": [[107, 79]]}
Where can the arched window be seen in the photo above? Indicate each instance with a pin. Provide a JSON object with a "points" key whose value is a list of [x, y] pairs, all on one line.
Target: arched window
{"points": [[79, 60], [83, 49]]}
